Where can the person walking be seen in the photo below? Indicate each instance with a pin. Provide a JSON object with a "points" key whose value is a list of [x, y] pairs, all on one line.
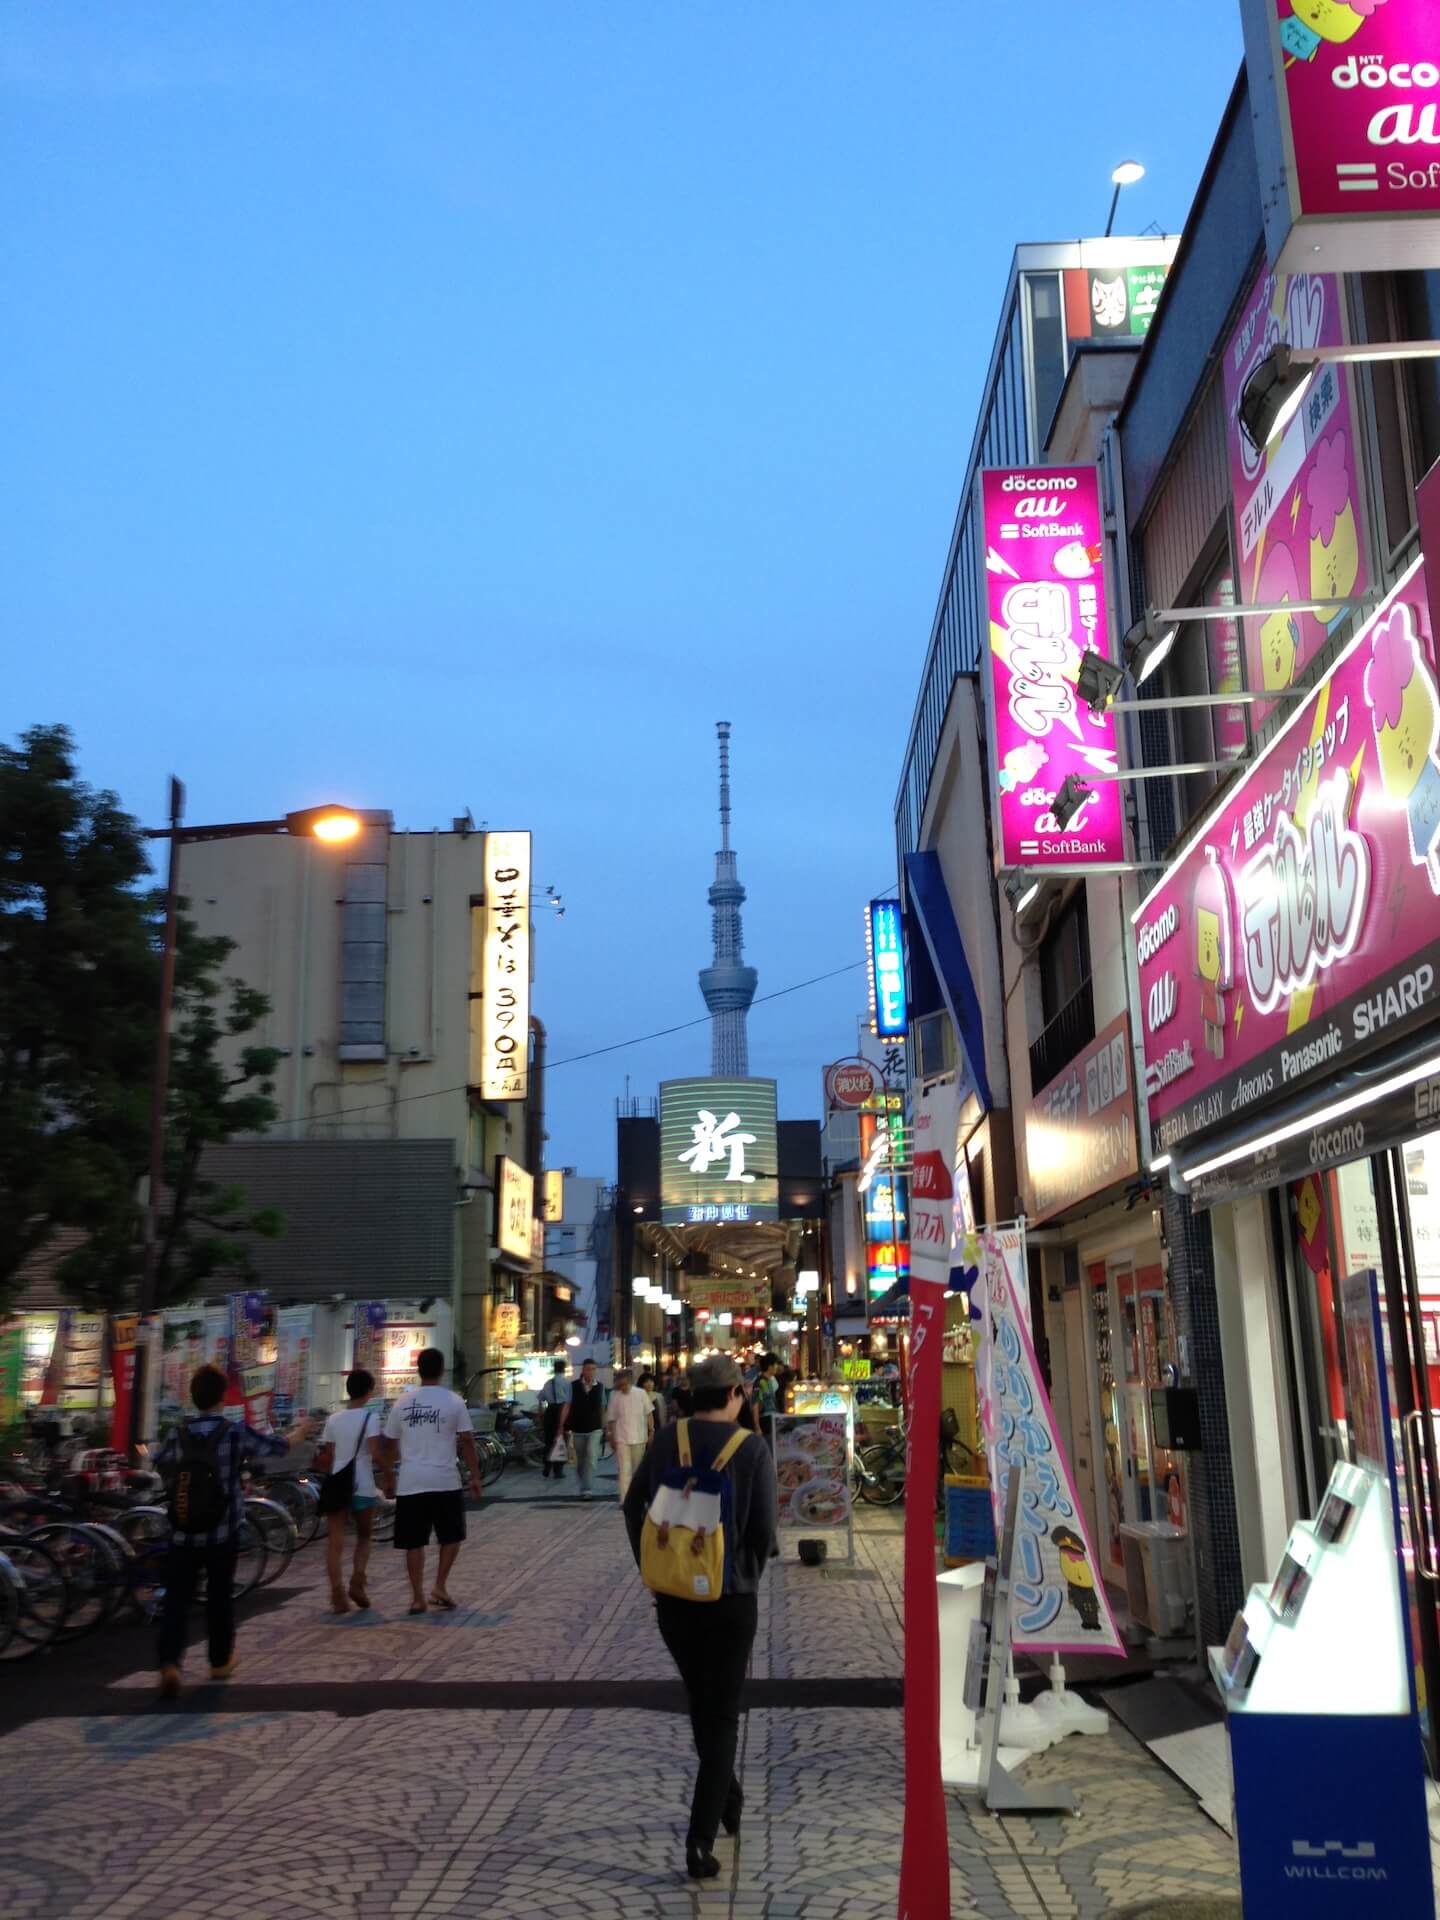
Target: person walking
{"points": [[767, 1391], [629, 1423], [554, 1398], [424, 1428], [583, 1420], [646, 1384], [202, 1460], [710, 1640], [351, 1438]]}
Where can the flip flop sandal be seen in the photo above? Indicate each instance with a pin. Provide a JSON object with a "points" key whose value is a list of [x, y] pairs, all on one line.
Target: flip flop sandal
{"points": [[419, 1609], [444, 1602]]}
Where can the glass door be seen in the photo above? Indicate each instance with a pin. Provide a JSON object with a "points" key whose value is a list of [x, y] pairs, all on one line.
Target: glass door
{"points": [[1110, 1480]]}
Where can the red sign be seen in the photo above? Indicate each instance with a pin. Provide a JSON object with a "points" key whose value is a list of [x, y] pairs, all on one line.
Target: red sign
{"points": [[850, 1083]]}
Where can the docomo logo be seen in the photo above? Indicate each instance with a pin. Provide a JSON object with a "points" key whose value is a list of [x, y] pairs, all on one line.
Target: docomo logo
{"points": [[850, 1083], [1039, 483], [1154, 936], [1373, 72], [1340, 1143]]}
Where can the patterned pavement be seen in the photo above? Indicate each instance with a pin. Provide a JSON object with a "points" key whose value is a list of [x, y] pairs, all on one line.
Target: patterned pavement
{"points": [[563, 1797]]}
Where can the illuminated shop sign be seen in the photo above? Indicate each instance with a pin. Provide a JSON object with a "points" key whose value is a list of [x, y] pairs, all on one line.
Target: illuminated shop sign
{"points": [[515, 1209], [1044, 590], [500, 972], [1300, 929], [1344, 100], [889, 1003], [1080, 1129], [718, 1152]]}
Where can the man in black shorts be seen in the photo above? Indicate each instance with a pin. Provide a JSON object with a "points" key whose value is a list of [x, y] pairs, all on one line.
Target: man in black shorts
{"points": [[423, 1430]]}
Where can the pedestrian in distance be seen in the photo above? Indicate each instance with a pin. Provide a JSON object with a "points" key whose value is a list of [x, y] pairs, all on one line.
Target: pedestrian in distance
{"points": [[350, 1439], [554, 1398], [629, 1423], [767, 1391], [425, 1426], [201, 1463], [658, 1408], [709, 1635], [582, 1419]]}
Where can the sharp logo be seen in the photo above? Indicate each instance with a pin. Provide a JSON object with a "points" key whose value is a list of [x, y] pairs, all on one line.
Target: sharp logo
{"points": [[1333, 1860]]}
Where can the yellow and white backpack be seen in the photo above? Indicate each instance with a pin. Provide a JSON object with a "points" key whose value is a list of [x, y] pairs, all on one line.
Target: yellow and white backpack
{"points": [[682, 1543]]}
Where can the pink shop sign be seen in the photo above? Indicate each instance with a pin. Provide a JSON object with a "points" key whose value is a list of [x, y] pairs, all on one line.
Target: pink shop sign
{"points": [[1044, 588], [1345, 99], [1298, 513], [1300, 929]]}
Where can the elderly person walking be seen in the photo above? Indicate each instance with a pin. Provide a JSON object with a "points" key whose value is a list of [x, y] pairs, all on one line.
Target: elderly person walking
{"points": [[629, 1423]]}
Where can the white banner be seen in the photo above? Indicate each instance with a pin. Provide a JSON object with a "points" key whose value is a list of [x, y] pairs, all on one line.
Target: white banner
{"points": [[932, 1205], [1059, 1603]]}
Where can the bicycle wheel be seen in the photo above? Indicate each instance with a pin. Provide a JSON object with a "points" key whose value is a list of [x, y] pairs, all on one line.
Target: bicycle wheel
{"points": [[493, 1459], [883, 1483], [308, 1519], [250, 1559], [44, 1596], [275, 1527], [89, 1571]]}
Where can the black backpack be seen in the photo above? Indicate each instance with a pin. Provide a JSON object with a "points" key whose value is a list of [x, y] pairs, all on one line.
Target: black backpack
{"points": [[197, 1498]]}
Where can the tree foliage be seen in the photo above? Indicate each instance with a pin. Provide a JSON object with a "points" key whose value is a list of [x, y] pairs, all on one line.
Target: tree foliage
{"points": [[79, 982]]}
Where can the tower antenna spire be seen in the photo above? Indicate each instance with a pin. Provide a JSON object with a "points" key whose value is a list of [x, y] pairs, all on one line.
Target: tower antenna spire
{"points": [[728, 986]]}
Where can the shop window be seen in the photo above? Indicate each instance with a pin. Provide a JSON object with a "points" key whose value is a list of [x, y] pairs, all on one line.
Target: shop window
{"points": [[1418, 308], [934, 1045], [1066, 1002], [1404, 394], [1047, 344]]}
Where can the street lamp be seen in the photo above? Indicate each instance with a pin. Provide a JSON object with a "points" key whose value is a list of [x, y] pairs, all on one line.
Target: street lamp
{"points": [[1125, 175], [331, 825]]}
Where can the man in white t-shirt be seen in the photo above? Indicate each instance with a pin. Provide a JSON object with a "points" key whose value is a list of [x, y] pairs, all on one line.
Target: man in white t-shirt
{"points": [[424, 1428], [629, 1421]]}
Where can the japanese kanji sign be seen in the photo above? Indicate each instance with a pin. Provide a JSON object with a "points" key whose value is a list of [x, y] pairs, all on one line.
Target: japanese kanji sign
{"points": [[1059, 1603], [1300, 929], [500, 972], [718, 1152]]}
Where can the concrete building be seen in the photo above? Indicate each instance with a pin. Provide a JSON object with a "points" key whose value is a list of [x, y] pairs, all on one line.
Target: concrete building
{"points": [[384, 1155]]}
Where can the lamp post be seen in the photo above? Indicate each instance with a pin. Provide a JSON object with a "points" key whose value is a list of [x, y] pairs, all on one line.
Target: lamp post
{"points": [[1125, 175], [331, 825]]}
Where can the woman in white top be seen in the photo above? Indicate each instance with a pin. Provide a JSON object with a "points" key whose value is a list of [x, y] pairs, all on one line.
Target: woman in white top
{"points": [[646, 1384], [351, 1434]]}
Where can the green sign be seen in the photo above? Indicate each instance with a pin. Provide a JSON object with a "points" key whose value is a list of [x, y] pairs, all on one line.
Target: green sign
{"points": [[12, 1366], [718, 1152], [1145, 285]]}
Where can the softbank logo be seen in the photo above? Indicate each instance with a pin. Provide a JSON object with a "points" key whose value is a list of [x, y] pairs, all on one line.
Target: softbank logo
{"points": [[1333, 1860]]}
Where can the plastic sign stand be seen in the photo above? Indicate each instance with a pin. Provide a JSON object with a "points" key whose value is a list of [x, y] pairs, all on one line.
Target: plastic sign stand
{"points": [[1317, 1679]]}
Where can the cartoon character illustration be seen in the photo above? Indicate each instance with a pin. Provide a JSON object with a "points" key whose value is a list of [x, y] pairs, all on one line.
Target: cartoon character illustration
{"points": [[1334, 543], [1309, 1217], [1020, 765], [1214, 959], [1278, 586], [1076, 561], [1314, 21], [1109, 302], [1079, 1577], [1405, 714]]}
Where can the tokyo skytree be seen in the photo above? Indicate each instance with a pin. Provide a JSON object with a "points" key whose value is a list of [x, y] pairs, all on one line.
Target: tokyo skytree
{"points": [[728, 986]]}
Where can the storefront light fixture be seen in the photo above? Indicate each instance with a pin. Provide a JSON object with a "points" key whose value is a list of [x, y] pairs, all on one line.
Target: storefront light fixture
{"points": [[672, 1307], [726, 1319], [1160, 1162], [1022, 891], [1277, 387], [1352, 1103], [807, 1269]]}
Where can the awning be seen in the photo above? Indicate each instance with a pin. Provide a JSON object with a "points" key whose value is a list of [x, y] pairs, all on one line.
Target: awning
{"points": [[928, 900]]}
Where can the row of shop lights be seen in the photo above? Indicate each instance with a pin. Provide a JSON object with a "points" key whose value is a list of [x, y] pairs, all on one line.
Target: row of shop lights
{"points": [[652, 1291]]}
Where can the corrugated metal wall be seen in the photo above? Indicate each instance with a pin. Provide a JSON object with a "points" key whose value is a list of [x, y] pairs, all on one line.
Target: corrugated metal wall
{"points": [[1188, 502]]}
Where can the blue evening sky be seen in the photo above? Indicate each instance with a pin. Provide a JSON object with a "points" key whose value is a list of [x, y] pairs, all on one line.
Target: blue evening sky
{"points": [[442, 405]]}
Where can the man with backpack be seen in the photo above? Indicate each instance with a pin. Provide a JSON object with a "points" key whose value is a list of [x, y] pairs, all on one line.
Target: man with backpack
{"points": [[201, 1463], [701, 1513]]}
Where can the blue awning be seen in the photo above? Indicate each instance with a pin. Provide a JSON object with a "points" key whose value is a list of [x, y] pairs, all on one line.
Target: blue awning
{"points": [[928, 900]]}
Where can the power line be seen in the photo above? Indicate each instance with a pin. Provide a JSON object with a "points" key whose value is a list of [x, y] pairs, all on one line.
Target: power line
{"points": [[616, 1046]]}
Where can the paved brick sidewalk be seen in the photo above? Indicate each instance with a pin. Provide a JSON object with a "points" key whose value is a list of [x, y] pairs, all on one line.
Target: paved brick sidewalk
{"points": [[366, 1804]]}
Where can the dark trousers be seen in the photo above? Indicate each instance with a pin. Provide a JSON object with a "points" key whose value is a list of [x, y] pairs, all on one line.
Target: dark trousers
{"points": [[710, 1643], [549, 1429], [183, 1567]]}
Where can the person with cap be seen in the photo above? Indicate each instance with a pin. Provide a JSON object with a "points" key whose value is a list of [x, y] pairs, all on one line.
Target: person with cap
{"points": [[629, 1421], [710, 1640]]}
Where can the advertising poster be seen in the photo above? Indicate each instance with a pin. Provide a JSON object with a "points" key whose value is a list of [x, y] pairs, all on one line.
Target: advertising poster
{"points": [[12, 1367], [1112, 302], [368, 1350], [294, 1358], [924, 1860], [1080, 1129], [83, 1357], [1301, 928], [812, 1467], [1044, 586], [1297, 503], [1059, 1600], [123, 1330]]}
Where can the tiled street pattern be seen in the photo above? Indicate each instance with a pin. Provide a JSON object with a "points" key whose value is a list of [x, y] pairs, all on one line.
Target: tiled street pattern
{"points": [[517, 1758]]}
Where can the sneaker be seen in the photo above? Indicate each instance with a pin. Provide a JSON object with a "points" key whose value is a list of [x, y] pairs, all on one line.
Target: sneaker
{"points": [[169, 1683], [585, 1493], [224, 1673]]}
